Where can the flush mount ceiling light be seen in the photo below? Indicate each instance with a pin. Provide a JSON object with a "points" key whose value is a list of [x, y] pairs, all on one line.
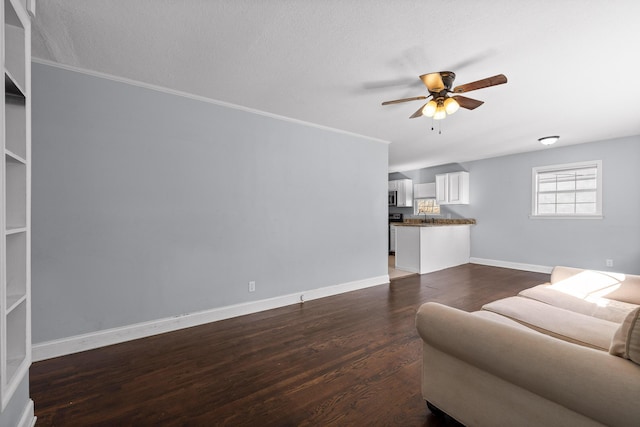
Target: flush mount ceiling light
{"points": [[548, 140]]}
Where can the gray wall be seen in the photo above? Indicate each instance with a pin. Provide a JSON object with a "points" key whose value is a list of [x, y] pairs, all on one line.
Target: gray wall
{"points": [[500, 193], [148, 205]]}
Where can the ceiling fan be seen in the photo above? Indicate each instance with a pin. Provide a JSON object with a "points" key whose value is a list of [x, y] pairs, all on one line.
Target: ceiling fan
{"points": [[439, 87]]}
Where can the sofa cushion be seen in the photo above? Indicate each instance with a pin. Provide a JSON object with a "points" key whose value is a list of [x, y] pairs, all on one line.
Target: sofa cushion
{"points": [[616, 286], [557, 322], [573, 300], [490, 315], [626, 340]]}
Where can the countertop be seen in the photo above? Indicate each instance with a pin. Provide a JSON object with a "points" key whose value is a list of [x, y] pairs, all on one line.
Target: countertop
{"points": [[435, 222]]}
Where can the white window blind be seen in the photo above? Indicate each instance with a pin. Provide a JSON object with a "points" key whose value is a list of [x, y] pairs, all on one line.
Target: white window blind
{"points": [[570, 191]]}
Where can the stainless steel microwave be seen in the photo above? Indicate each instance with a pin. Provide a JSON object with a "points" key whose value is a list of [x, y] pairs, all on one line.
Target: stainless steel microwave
{"points": [[393, 198]]}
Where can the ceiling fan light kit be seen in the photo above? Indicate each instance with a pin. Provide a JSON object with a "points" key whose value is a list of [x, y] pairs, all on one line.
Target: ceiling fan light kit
{"points": [[430, 108], [549, 140], [451, 105], [439, 87], [440, 113]]}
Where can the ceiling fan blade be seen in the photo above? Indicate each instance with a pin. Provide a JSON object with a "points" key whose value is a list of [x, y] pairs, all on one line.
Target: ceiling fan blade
{"points": [[479, 84], [468, 103], [397, 101], [433, 82], [384, 84], [417, 113]]}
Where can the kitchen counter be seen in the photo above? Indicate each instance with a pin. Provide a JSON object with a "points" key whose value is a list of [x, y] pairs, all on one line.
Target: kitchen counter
{"points": [[435, 222], [425, 247]]}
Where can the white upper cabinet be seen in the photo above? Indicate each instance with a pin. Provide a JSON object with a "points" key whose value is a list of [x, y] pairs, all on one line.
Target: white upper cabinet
{"points": [[452, 188], [424, 191], [404, 192]]}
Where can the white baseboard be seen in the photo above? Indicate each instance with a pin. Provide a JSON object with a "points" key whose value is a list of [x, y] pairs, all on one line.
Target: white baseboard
{"points": [[409, 269], [28, 418], [78, 343], [512, 265]]}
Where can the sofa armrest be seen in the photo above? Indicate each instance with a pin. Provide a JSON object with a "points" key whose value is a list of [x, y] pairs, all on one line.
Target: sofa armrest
{"points": [[587, 381]]}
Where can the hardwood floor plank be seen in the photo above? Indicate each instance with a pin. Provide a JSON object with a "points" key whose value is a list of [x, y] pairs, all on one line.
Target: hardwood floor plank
{"points": [[350, 359]]}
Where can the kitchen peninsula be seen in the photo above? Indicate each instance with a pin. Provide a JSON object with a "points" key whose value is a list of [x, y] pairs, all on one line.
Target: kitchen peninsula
{"points": [[423, 247]]}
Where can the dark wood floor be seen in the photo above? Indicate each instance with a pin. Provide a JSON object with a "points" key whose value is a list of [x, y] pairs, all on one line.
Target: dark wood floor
{"points": [[347, 360]]}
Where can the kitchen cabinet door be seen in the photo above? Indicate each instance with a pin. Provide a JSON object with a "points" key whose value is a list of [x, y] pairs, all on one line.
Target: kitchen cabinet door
{"points": [[405, 193], [424, 191], [442, 189], [452, 188]]}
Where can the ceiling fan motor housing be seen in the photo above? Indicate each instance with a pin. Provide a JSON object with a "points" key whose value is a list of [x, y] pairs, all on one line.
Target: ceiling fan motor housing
{"points": [[438, 84], [447, 78]]}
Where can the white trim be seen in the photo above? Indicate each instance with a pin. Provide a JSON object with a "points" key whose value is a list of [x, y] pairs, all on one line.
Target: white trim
{"points": [[409, 269], [28, 418], [199, 98], [512, 265], [31, 7], [75, 344], [566, 217]]}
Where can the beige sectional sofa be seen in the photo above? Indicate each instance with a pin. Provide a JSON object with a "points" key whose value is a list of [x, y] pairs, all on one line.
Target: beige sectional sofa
{"points": [[564, 353]]}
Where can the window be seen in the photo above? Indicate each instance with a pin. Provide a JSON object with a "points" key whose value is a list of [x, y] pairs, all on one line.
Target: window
{"points": [[426, 207], [568, 191]]}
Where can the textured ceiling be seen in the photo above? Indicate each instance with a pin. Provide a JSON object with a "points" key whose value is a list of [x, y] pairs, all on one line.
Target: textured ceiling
{"points": [[573, 66]]}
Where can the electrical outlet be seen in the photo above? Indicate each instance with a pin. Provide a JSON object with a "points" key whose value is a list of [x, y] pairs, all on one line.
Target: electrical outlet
{"points": [[609, 262], [252, 286]]}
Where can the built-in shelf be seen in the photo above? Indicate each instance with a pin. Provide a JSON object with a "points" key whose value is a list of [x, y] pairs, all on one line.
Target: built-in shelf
{"points": [[15, 45], [15, 230], [15, 170], [15, 125], [14, 301], [16, 344], [11, 88], [15, 193], [14, 157], [16, 266]]}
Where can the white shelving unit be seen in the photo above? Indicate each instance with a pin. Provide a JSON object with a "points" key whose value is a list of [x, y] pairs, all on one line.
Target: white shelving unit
{"points": [[15, 212]]}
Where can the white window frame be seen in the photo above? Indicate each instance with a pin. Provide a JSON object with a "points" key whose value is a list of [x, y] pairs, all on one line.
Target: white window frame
{"points": [[566, 167]]}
